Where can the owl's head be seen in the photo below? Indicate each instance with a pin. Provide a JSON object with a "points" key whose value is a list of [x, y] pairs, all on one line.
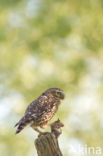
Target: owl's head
{"points": [[56, 92]]}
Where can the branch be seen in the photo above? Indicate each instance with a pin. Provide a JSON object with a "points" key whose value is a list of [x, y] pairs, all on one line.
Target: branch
{"points": [[47, 144]]}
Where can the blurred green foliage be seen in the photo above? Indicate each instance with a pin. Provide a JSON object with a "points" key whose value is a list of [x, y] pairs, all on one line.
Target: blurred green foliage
{"points": [[51, 43]]}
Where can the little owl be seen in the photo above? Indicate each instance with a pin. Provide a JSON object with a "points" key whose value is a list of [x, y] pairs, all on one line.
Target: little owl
{"points": [[40, 111]]}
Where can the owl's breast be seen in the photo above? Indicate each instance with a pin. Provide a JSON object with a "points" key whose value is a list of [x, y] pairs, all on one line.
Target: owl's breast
{"points": [[46, 115], [49, 114], [47, 108]]}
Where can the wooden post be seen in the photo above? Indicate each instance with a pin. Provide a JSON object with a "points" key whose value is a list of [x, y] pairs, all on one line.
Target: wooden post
{"points": [[47, 144]]}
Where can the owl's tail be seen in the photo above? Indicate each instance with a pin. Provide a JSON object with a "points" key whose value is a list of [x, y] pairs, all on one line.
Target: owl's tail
{"points": [[21, 124]]}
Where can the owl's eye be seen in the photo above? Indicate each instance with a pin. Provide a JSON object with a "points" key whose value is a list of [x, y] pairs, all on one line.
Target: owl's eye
{"points": [[57, 93]]}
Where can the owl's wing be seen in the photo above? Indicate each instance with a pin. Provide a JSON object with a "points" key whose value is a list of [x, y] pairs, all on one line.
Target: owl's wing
{"points": [[30, 113], [38, 107], [34, 111]]}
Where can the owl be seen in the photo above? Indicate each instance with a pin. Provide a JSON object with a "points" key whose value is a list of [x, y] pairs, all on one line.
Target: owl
{"points": [[41, 110]]}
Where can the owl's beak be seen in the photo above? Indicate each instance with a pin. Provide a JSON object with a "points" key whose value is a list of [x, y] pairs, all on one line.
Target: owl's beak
{"points": [[62, 95]]}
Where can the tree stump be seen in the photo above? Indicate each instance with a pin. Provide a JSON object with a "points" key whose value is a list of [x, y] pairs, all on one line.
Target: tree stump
{"points": [[47, 144]]}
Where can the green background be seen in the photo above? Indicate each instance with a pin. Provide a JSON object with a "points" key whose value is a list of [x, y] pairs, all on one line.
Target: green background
{"points": [[52, 43]]}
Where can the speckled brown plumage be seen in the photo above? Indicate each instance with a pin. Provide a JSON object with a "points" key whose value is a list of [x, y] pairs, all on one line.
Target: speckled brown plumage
{"points": [[40, 111]]}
